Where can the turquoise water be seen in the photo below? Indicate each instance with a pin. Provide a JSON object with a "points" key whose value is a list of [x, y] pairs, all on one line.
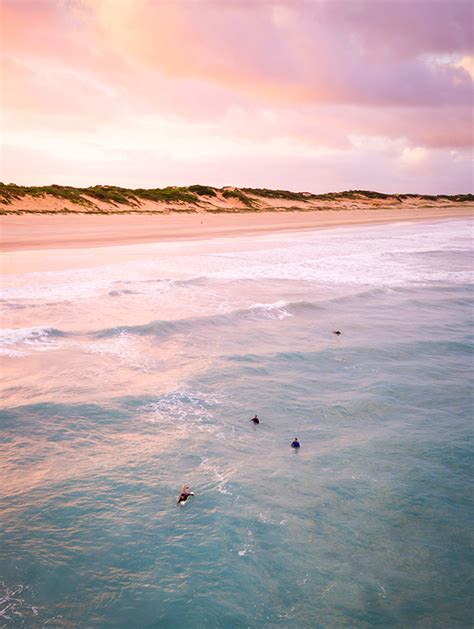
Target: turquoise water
{"points": [[123, 380]]}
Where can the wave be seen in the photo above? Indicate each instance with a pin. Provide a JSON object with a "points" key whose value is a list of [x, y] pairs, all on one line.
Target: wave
{"points": [[123, 291], [259, 311], [256, 312], [199, 280], [9, 336], [14, 341], [9, 305], [386, 351], [276, 310], [154, 280], [20, 341]]}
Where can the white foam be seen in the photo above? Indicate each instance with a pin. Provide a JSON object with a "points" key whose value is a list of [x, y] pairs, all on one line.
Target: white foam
{"points": [[211, 468], [376, 256], [20, 341], [389, 255], [12, 603], [124, 348], [9, 336], [248, 548], [276, 310], [185, 410]]}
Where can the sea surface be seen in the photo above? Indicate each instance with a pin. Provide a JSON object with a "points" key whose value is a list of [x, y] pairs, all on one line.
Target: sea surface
{"points": [[124, 378]]}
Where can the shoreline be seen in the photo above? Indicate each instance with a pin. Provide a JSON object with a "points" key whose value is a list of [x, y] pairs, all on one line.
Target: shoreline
{"points": [[49, 232]]}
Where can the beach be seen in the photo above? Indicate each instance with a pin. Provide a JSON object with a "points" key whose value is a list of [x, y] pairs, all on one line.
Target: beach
{"points": [[43, 231], [132, 363]]}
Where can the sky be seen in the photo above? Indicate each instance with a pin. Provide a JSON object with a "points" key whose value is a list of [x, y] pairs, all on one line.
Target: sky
{"points": [[322, 95]]}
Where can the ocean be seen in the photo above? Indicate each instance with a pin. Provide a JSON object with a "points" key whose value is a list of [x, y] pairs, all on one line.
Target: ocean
{"points": [[125, 377]]}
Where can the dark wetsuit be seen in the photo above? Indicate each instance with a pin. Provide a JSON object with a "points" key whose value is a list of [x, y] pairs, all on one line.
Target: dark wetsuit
{"points": [[255, 420], [184, 495], [295, 444]]}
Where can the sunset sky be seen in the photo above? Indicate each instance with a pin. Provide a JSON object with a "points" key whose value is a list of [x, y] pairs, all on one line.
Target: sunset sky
{"points": [[301, 95]]}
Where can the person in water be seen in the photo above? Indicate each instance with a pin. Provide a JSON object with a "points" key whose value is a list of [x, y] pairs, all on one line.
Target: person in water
{"points": [[185, 493], [255, 420], [295, 443]]}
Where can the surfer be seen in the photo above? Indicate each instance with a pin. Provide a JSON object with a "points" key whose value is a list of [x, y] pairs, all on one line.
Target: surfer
{"points": [[185, 493], [337, 332], [255, 420], [295, 443]]}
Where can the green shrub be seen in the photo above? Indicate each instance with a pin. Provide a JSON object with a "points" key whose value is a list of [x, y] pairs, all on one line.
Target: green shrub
{"points": [[202, 191], [278, 194], [241, 196], [171, 194]]}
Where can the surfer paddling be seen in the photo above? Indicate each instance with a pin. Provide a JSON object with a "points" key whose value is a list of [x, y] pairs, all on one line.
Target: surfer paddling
{"points": [[184, 495], [255, 420]]}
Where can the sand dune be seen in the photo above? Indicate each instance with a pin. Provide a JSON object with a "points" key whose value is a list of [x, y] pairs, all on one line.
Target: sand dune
{"points": [[207, 200]]}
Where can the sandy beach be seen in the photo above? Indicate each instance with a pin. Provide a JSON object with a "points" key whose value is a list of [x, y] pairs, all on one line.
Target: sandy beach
{"points": [[33, 232]]}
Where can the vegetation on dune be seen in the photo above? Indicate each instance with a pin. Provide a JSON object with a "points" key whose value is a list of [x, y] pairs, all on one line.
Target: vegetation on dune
{"points": [[352, 194], [202, 191], [10, 192], [456, 198], [110, 194], [279, 194], [240, 196], [106, 194], [185, 197], [171, 194], [369, 194], [461, 198]]}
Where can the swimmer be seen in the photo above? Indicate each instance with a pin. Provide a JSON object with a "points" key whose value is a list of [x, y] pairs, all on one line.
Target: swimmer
{"points": [[255, 420], [185, 493], [337, 332], [295, 443]]}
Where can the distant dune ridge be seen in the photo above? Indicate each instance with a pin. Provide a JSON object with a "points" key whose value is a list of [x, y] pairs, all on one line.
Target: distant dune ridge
{"points": [[56, 199]]}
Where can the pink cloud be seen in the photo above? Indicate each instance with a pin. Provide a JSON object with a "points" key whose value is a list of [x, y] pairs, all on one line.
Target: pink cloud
{"points": [[395, 30], [241, 74], [329, 52]]}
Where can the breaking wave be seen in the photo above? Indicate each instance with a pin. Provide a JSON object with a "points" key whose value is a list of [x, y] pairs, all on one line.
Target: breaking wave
{"points": [[163, 328], [16, 341]]}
